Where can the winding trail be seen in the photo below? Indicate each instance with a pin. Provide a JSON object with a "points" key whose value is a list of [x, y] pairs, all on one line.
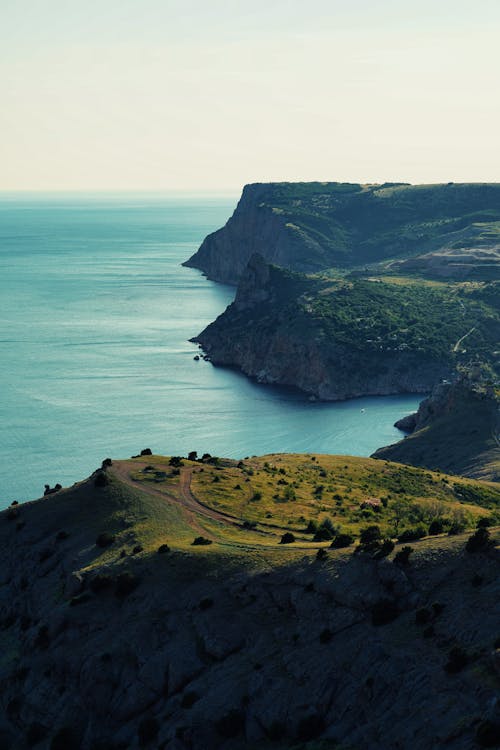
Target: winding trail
{"points": [[191, 507], [457, 345]]}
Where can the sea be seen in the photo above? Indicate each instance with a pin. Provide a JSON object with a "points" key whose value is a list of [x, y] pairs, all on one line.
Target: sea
{"points": [[96, 313]]}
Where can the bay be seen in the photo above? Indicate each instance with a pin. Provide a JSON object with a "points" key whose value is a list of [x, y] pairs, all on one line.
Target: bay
{"points": [[96, 314]]}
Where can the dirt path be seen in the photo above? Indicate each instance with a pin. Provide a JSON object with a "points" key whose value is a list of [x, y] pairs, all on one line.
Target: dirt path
{"points": [[191, 507], [457, 345]]}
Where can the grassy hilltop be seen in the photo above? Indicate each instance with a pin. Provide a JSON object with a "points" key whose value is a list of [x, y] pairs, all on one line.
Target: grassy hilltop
{"points": [[163, 603]]}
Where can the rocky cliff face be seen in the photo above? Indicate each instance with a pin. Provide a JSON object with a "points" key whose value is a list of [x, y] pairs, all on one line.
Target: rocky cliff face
{"points": [[270, 333], [311, 226], [256, 227], [456, 429]]}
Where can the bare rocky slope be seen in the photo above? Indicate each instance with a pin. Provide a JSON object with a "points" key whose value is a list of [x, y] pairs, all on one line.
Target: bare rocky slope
{"points": [[456, 429], [117, 633], [452, 230]]}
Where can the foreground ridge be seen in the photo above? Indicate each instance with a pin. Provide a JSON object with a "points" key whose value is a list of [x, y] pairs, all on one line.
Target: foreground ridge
{"points": [[198, 603]]}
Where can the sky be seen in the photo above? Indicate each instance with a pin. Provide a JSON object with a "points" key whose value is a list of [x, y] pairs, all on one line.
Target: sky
{"points": [[211, 94]]}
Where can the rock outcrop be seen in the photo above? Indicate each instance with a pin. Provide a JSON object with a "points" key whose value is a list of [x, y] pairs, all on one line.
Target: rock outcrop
{"points": [[456, 429], [311, 226]]}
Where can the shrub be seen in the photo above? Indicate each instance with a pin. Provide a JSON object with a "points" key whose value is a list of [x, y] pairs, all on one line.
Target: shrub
{"points": [[484, 523], [256, 497], [325, 636], [412, 535], [137, 549], [42, 639], [45, 554], [101, 480], [369, 535], [402, 556], [322, 535], [342, 540], [35, 734], [231, 725], [321, 554], [125, 584], [105, 540], [11, 514], [437, 608], [147, 730], [163, 549], [107, 462], [457, 527], [422, 616], [176, 461], [193, 456], [436, 527], [146, 452], [457, 660], [488, 733], [79, 599], [200, 541], [385, 549], [64, 739], [310, 727], [384, 612], [287, 538], [189, 699], [276, 731], [249, 525], [478, 541], [100, 582]]}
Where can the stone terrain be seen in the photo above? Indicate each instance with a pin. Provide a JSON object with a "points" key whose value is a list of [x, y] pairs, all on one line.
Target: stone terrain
{"points": [[107, 643], [456, 429]]}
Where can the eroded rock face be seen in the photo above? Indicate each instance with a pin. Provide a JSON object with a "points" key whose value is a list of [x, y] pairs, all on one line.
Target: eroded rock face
{"points": [[456, 430], [205, 658]]}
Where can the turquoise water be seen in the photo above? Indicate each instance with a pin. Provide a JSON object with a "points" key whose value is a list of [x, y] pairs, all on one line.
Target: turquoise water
{"points": [[95, 316]]}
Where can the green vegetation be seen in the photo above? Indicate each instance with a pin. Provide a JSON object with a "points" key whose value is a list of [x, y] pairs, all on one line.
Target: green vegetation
{"points": [[345, 225]]}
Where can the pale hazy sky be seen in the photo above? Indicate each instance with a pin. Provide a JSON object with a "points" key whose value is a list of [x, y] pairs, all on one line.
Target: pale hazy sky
{"points": [[171, 94]]}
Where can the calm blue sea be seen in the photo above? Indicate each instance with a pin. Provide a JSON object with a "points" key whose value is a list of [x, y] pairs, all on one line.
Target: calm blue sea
{"points": [[96, 313]]}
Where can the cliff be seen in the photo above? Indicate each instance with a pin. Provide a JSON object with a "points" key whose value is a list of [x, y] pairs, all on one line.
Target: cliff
{"points": [[456, 430], [335, 338], [119, 633], [453, 230]]}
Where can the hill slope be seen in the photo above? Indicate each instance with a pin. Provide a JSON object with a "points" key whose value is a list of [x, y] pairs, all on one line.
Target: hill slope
{"points": [[338, 338], [456, 430], [311, 226], [243, 643]]}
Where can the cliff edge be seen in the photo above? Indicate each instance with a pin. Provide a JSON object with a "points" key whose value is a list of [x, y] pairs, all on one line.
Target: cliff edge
{"points": [[456, 429], [336, 338], [449, 231]]}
